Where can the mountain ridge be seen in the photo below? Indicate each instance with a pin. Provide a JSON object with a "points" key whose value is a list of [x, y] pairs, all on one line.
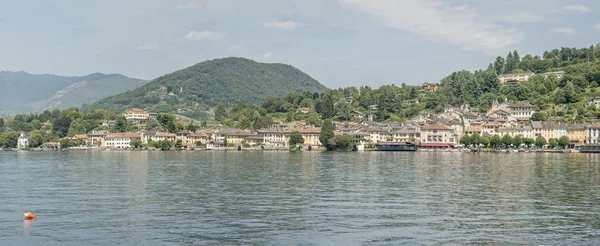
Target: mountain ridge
{"points": [[194, 89]]}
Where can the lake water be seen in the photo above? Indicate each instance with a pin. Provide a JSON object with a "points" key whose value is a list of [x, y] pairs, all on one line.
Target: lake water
{"points": [[280, 198]]}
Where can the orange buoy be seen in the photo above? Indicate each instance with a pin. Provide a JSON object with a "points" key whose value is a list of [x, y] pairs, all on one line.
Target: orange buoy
{"points": [[29, 216]]}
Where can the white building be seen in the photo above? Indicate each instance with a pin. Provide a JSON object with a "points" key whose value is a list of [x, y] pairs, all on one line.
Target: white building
{"points": [[119, 140], [592, 134], [276, 138], [23, 141], [438, 136], [593, 101]]}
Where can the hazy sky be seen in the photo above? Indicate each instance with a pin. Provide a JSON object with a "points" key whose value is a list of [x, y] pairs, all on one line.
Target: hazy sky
{"points": [[338, 42]]}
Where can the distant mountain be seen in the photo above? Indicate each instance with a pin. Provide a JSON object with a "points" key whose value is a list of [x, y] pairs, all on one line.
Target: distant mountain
{"points": [[24, 92], [228, 80]]}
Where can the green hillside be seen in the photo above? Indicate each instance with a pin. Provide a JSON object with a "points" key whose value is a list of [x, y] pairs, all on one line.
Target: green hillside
{"points": [[192, 90], [24, 92]]}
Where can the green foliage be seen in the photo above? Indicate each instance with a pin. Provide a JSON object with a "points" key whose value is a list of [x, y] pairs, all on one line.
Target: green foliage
{"points": [[495, 141], [507, 140], [485, 141], [136, 143], [179, 144], [341, 142], [206, 84], [295, 138], [164, 144], [553, 142], [191, 127], [326, 134], [220, 112], [120, 124], [540, 141], [517, 141], [152, 123], [9, 140], [466, 140], [563, 141], [61, 126], [36, 140], [528, 141]]}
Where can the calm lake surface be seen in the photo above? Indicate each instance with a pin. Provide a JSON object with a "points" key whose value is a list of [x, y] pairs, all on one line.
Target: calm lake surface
{"points": [[280, 198]]}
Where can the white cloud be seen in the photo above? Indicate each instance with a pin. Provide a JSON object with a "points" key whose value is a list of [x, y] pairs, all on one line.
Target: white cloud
{"points": [[521, 18], [188, 5], [268, 55], [435, 20], [150, 46], [578, 8], [597, 26], [284, 25], [205, 35], [564, 30]]}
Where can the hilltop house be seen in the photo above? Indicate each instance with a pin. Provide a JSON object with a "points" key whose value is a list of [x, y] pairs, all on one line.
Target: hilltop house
{"points": [[429, 87], [135, 115], [514, 78]]}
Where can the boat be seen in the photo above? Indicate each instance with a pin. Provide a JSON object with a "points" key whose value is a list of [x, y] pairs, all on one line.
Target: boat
{"points": [[397, 146]]}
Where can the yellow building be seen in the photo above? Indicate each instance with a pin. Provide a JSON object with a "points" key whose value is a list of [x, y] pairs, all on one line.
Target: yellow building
{"points": [[576, 135], [311, 136], [135, 115], [514, 78]]}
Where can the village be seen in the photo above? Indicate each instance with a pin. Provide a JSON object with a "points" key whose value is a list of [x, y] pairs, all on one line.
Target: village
{"points": [[440, 132]]}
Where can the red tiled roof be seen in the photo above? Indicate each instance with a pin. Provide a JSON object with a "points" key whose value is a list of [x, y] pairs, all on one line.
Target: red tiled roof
{"points": [[436, 127]]}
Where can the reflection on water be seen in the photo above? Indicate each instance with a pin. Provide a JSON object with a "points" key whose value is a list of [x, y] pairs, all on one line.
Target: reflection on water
{"points": [[299, 198]]}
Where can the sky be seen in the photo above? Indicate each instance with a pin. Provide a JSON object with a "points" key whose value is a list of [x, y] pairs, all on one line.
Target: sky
{"points": [[338, 42]]}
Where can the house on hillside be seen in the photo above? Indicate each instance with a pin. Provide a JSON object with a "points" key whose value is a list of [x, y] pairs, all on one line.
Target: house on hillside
{"points": [[429, 87], [514, 78], [135, 115]]}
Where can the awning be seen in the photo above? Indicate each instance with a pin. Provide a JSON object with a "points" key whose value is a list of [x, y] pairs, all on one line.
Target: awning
{"points": [[436, 145]]}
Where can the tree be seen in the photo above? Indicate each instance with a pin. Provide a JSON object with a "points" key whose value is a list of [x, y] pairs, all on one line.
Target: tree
{"points": [[191, 127], [528, 141], [165, 144], [540, 141], [1, 122], [553, 142], [61, 126], [499, 65], [220, 112], [485, 141], [136, 143], [563, 141], [466, 140], [341, 142], [507, 140], [165, 119], [225, 142], [35, 140], [152, 123], [10, 140], [179, 144], [495, 141], [413, 93], [327, 133], [295, 138], [539, 116], [517, 141], [120, 124]]}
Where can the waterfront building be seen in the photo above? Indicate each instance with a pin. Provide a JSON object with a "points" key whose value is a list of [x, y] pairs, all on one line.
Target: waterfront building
{"points": [[119, 140], [438, 136], [592, 134], [576, 135]]}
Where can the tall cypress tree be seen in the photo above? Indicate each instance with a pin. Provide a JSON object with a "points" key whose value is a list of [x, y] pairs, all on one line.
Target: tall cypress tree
{"points": [[327, 133]]}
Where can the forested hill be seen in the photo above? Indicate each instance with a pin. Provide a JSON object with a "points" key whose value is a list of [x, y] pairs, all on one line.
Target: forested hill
{"points": [[25, 92], [228, 80]]}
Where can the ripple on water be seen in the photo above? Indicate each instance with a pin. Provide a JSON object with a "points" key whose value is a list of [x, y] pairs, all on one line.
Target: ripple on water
{"points": [[158, 198]]}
